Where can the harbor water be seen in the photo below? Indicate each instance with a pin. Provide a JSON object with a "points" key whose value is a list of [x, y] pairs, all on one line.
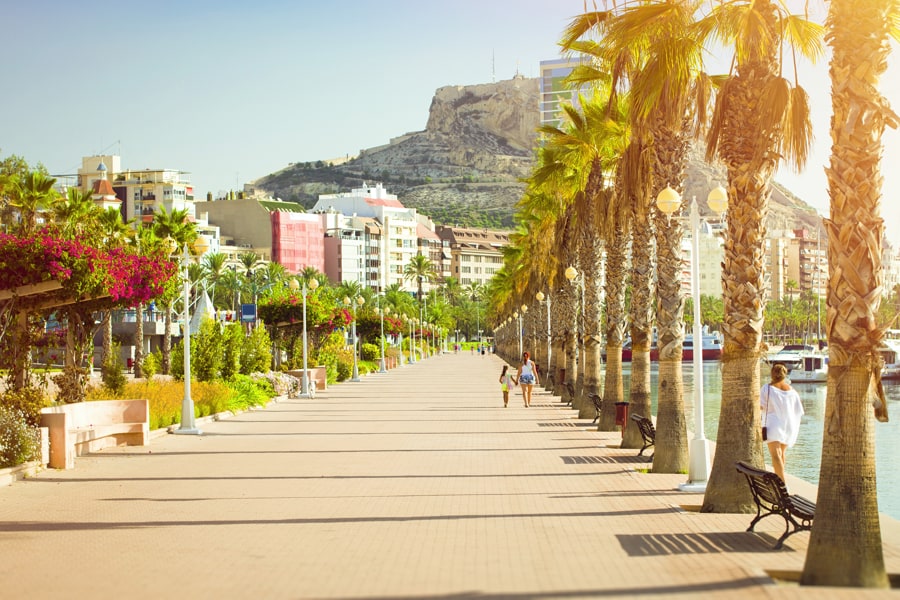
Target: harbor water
{"points": [[804, 458]]}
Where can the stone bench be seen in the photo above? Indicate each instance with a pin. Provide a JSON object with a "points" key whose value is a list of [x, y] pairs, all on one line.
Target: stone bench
{"points": [[319, 375], [83, 427]]}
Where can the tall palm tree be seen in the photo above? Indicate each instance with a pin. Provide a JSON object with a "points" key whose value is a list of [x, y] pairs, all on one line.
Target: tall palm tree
{"points": [[114, 231], [845, 545], [419, 269], [592, 144], [176, 227], [759, 118]]}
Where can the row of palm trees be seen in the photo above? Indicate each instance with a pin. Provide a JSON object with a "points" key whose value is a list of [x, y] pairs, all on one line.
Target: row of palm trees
{"points": [[591, 199]]}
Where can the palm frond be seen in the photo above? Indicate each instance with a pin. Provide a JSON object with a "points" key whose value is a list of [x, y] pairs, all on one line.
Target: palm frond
{"points": [[798, 132]]}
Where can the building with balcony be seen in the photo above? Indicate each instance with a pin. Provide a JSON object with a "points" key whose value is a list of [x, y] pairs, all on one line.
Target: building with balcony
{"points": [[393, 230], [475, 254]]}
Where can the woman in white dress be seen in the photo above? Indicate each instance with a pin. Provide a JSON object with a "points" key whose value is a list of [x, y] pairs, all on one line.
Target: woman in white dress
{"points": [[781, 413]]}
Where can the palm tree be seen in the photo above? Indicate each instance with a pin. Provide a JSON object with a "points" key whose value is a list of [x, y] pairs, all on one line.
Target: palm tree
{"points": [[77, 215], [845, 545], [30, 195], [591, 145], [759, 118], [419, 269], [176, 227], [114, 232], [214, 263]]}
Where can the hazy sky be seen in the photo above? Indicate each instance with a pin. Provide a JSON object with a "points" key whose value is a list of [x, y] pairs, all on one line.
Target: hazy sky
{"points": [[229, 90]]}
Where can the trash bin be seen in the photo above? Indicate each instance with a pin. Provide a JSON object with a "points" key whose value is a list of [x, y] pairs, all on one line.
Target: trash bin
{"points": [[622, 415]]}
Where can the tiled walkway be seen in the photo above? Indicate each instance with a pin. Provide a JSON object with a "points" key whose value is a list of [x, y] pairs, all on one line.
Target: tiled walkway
{"points": [[415, 483]]}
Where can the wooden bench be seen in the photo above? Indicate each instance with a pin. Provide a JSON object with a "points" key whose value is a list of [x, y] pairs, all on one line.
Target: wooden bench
{"points": [[648, 432], [83, 427], [597, 401], [772, 498]]}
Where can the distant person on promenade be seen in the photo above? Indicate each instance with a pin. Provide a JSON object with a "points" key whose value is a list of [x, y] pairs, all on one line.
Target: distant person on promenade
{"points": [[527, 377], [507, 383], [781, 412]]}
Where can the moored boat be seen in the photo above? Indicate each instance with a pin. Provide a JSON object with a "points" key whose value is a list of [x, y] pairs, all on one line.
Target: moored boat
{"points": [[712, 348], [813, 368]]}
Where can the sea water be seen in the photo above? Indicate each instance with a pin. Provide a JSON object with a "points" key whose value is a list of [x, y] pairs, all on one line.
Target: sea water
{"points": [[804, 458]]}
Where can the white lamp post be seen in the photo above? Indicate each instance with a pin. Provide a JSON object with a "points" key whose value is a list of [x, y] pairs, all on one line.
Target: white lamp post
{"points": [[524, 309], [412, 342], [668, 201], [304, 381], [187, 426], [540, 298]]}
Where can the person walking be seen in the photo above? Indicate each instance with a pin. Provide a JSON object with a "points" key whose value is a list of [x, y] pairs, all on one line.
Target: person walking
{"points": [[781, 413], [507, 383], [527, 376]]}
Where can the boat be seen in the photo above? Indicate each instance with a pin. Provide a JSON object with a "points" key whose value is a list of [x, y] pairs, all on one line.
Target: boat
{"points": [[712, 348], [813, 368], [791, 355], [890, 352]]}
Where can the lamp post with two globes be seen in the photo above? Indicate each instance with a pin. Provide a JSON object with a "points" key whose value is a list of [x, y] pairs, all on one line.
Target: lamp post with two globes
{"points": [[305, 390], [540, 298], [668, 201], [187, 426]]}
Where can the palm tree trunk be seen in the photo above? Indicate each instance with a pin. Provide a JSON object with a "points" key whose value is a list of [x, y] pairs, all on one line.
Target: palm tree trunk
{"points": [[138, 340], [107, 336], [166, 350], [743, 277], [845, 545], [642, 249], [671, 454], [591, 259], [615, 321]]}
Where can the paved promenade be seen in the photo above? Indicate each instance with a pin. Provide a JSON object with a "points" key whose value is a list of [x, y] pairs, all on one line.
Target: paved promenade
{"points": [[414, 483]]}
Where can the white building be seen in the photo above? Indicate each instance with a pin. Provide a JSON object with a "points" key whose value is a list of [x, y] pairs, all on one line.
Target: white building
{"points": [[397, 239]]}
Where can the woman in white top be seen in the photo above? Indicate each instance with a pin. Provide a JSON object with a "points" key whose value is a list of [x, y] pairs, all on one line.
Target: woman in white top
{"points": [[781, 414], [527, 377]]}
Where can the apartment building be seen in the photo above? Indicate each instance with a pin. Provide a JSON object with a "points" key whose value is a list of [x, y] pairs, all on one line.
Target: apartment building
{"points": [[393, 231], [142, 192], [475, 253]]}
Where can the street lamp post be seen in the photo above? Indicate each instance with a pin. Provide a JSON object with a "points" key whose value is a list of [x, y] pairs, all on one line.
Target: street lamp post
{"points": [[187, 426], [304, 380], [667, 201], [540, 298], [524, 309], [412, 342]]}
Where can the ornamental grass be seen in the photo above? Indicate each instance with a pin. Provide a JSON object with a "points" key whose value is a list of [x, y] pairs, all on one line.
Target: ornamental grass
{"points": [[166, 397]]}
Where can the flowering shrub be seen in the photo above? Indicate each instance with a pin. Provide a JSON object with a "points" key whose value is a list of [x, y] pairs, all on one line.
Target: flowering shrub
{"points": [[19, 441], [84, 272]]}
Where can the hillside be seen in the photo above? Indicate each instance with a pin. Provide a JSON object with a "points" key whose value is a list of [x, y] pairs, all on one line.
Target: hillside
{"points": [[465, 167]]}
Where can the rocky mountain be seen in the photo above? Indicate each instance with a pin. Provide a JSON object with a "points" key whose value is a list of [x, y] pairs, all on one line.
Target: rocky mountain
{"points": [[466, 166]]}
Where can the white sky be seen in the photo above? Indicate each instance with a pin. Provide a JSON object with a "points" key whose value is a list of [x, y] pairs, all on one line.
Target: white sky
{"points": [[230, 91]]}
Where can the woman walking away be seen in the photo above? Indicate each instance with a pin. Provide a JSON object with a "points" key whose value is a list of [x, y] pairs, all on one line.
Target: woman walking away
{"points": [[507, 382], [527, 377], [781, 413]]}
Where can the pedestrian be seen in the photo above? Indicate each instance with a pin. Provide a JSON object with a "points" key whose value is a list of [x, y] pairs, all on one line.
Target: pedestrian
{"points": [[527, 376], [507, 383], [781, 412]]}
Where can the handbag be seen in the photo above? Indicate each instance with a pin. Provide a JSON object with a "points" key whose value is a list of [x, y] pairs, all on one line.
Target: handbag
{"points": [[765, 430]]}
